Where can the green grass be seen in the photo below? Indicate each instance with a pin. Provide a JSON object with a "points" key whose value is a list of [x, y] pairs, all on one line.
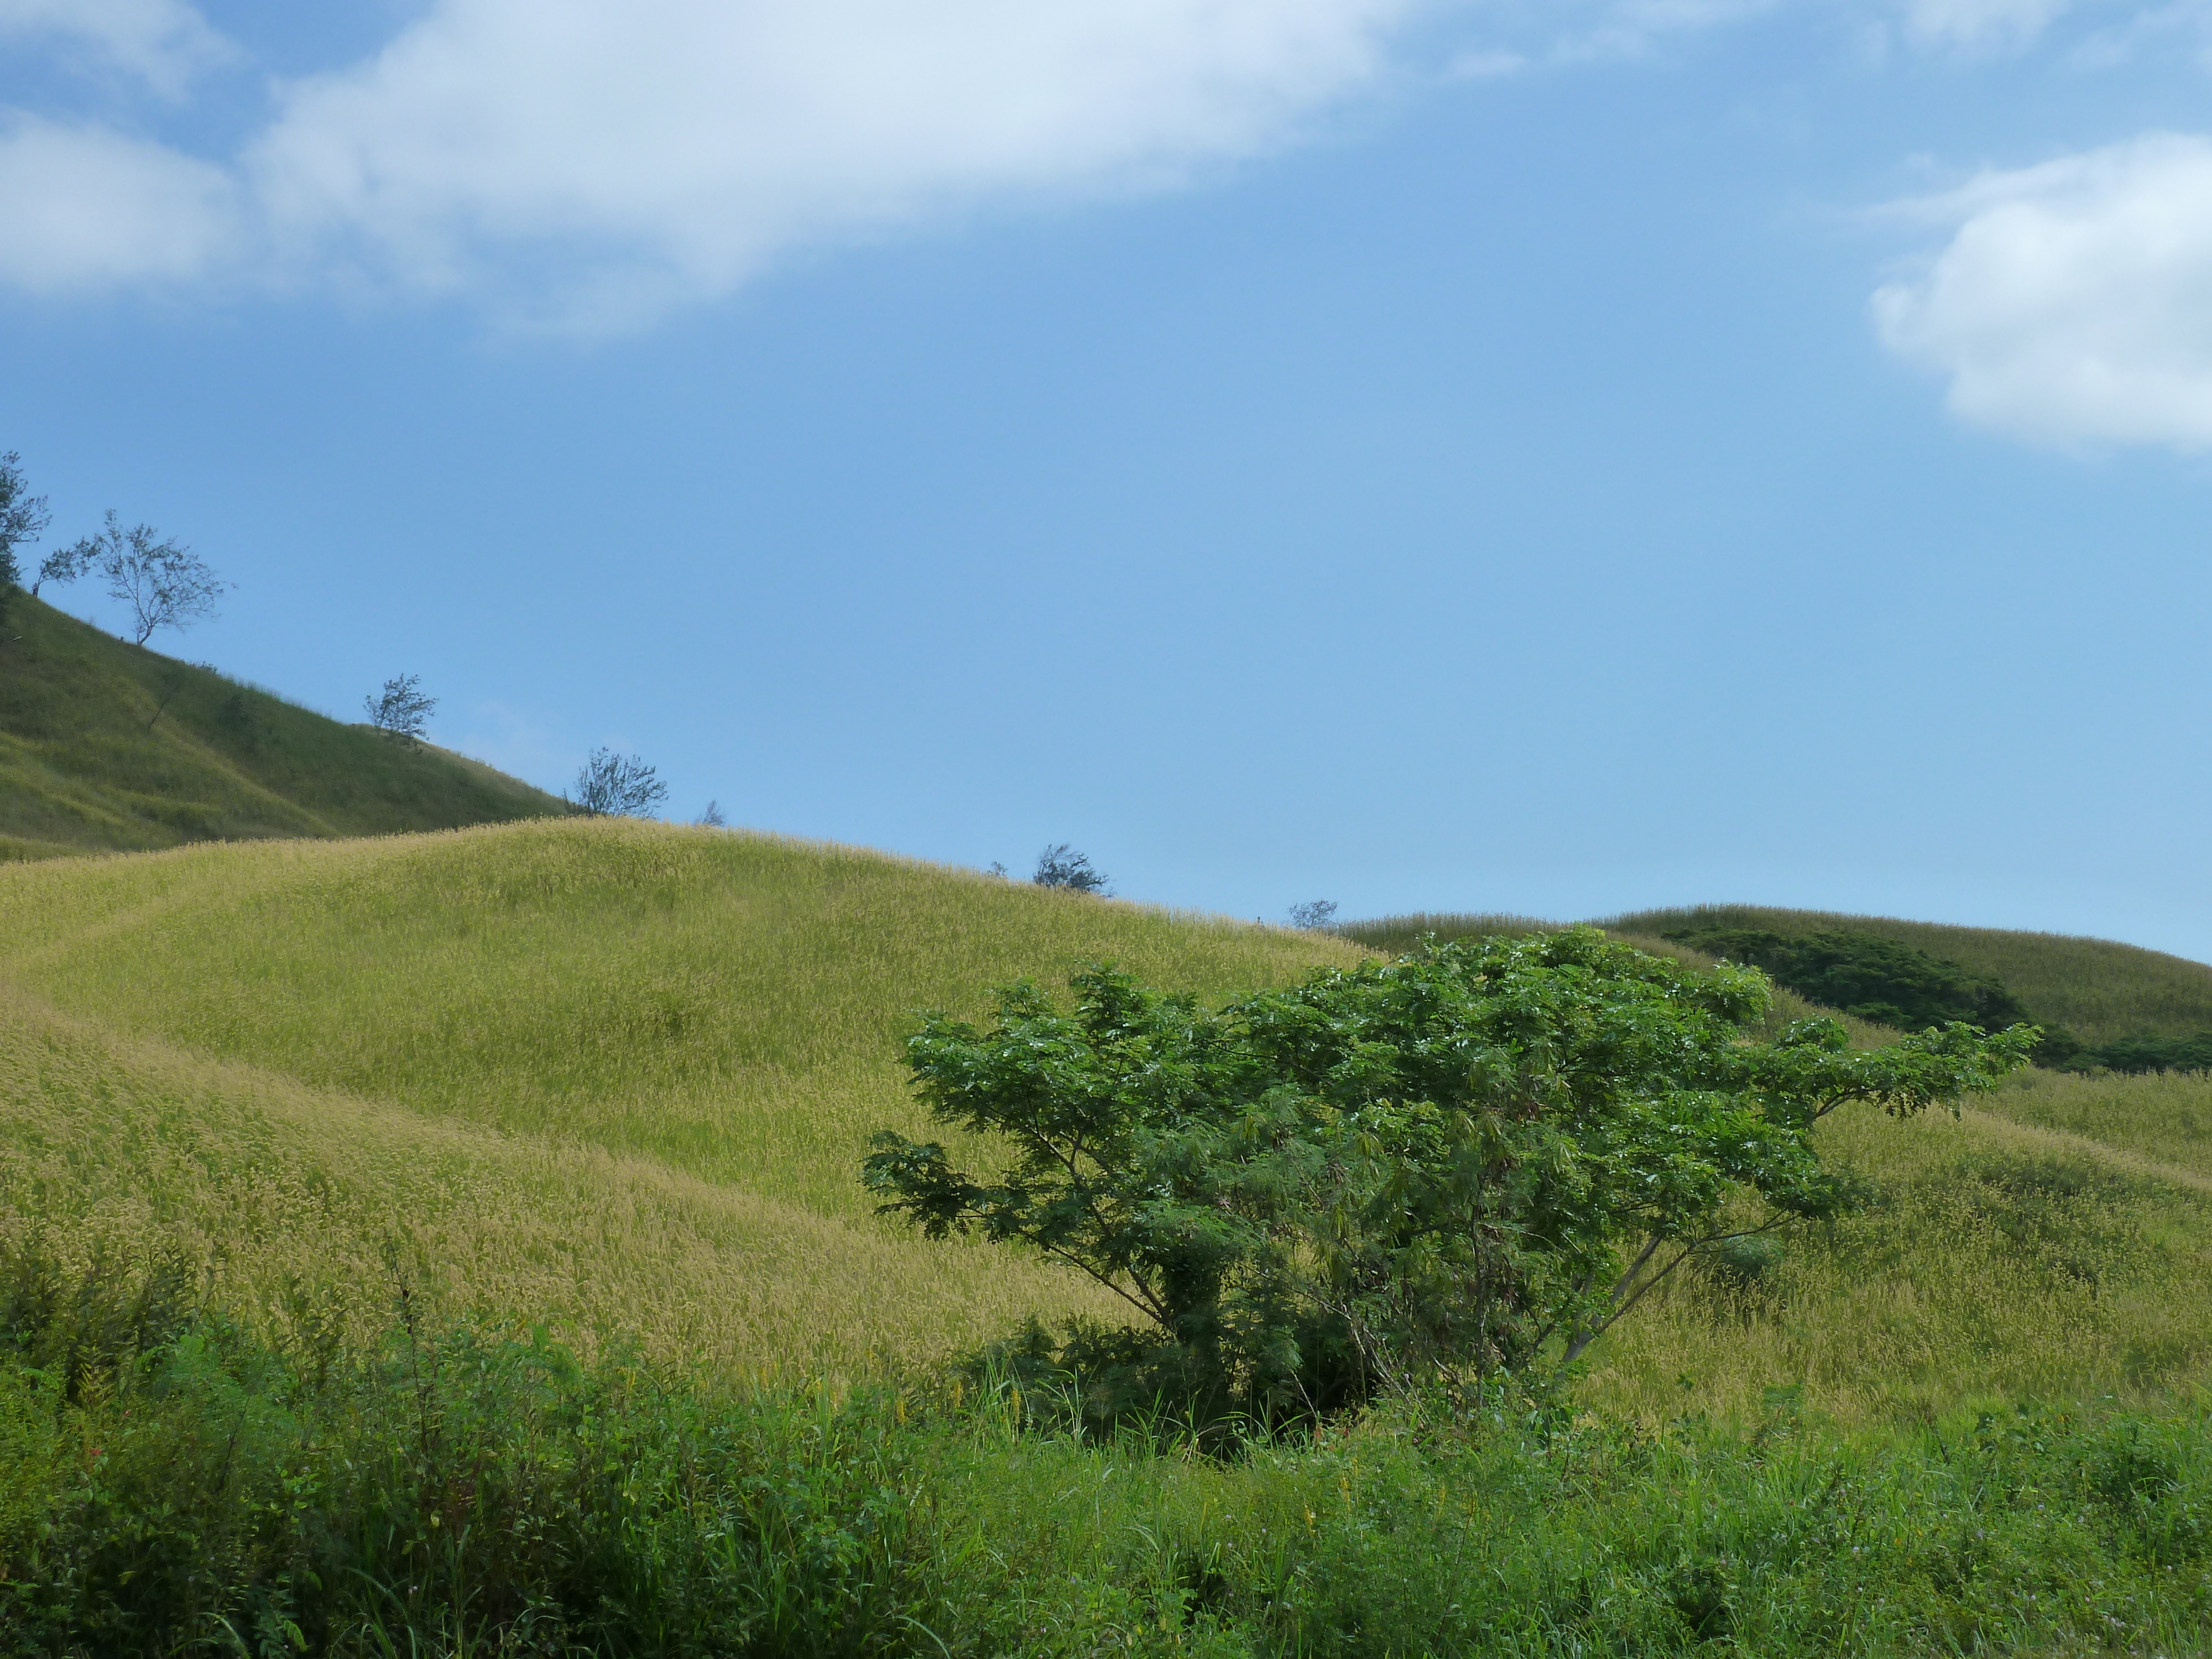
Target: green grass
{"points": [[606, 1072], [171, 1485], [614, 1078], [105, 746], [2099, 989]]}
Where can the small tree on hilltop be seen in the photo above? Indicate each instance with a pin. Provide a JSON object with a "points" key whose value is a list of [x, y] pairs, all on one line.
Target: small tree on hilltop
{"points": [[23, 520], [1472, 1161], [403, 713], [618, 785], [1063, 866], [1314, 915], [165, 583]]}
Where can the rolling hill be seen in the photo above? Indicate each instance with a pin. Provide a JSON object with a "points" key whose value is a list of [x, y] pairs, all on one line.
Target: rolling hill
{"points": [[401, 1110], [2099, 989], [105, 746], [598, 1072], [618, 1075]]}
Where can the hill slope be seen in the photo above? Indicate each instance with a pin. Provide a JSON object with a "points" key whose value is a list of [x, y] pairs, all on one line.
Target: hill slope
{"points": [[615, 1075], [2099, 989], [105, 746], [599, 1073]]}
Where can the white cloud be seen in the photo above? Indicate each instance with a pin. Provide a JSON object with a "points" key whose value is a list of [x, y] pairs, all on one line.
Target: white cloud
{"points": [[593, 161], [86, 207], [605, 159], [2073, 302], [163, 42]]}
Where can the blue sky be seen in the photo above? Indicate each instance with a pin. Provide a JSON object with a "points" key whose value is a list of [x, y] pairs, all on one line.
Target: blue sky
{"points": [[1550, 457]]}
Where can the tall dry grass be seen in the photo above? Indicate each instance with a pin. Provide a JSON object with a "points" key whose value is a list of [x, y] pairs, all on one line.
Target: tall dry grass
{"points": [[614, 1074], [603, 1073]]}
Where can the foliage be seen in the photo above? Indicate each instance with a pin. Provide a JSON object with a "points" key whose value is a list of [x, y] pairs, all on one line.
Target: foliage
{"points": [[2097, 989], [617, 1075], [1881, 980], [713, 818], [165, 583], [402, 714], [1444, 1164], [2133, 1056], [618, 785], [1865, 975], [1061, 866], [1313, 915], [449, 1490]]}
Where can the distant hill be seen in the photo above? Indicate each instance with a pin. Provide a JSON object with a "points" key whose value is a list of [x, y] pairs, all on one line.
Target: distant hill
{"points": [[105, 746], [2099, 989]]}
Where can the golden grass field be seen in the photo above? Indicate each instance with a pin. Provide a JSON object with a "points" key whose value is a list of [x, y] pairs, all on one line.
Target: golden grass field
{"points": [[598, 1073], [613, 1076]]}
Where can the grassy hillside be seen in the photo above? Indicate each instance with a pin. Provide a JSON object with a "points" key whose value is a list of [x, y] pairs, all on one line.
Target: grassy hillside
{"points": [[613, 1078], [601, 1071], [2099, 989], [107, 746], [615, 1073]]}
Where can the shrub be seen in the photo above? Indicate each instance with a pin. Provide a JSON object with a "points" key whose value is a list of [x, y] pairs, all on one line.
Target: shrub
{"points": [[1451, 1165]]}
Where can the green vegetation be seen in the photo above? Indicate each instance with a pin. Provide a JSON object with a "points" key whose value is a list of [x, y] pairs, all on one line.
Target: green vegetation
{"points": [[1865, 975], [451, 1243], [172, 1484], [105, 746], [2096, 989], [2102, 1005], [608, 1072], [1432, 1167]]}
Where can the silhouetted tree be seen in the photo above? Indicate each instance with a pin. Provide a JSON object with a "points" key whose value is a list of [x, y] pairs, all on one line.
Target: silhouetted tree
{"points": [[1314, 914], [618, 785], [165, 583], [712, 818], [1063, 866], [403, 713]]}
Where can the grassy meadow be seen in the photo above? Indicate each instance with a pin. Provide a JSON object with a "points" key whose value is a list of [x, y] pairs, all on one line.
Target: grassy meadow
{"points": [[460, 1106], [107, 746], [600, 1072]]}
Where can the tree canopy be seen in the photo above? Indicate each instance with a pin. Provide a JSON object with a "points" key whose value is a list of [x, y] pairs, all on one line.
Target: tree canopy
{"points": [[1867, 976], [1469, 1160]]}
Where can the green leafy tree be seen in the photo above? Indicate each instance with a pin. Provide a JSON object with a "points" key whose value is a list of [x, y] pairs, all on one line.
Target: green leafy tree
{"points": [[1468, 1161]]}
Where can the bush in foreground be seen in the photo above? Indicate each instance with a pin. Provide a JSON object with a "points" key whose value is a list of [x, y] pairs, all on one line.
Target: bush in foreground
{"points": [[473, 1494]]}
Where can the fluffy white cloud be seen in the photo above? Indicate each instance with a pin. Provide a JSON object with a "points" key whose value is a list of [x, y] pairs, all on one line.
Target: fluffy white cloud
{"points": [[675, 145], [85, 207], [592, 162], [2073, 302], [164, 42]]}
